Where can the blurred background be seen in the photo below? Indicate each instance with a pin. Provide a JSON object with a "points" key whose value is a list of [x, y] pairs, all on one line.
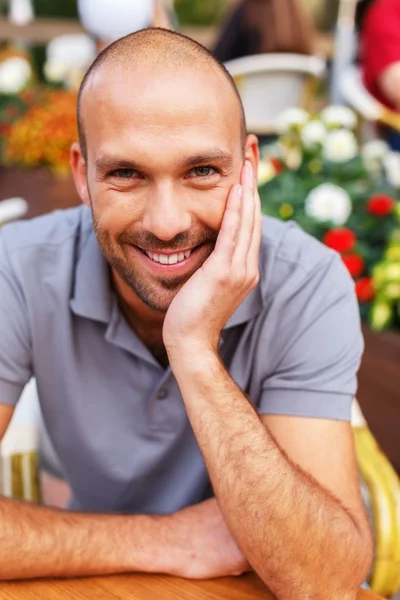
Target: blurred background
{"points": [[320, 83]]}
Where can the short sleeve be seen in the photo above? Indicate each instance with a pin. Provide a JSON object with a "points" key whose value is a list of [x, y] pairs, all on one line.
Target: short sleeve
{"points": [[320, 347], [380, 41], [15, 346]]}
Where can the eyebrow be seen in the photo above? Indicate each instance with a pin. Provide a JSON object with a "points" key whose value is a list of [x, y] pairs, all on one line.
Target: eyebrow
{"points": [[108, 161]]}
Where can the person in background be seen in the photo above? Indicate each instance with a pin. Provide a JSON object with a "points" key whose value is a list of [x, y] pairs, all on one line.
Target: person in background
{"points": [[379, 25], [108, 20], [264, 26]]}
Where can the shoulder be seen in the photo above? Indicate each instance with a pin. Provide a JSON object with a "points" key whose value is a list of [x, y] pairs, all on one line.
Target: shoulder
{"points": [[51, 229], [290, 258], [43, 242]]}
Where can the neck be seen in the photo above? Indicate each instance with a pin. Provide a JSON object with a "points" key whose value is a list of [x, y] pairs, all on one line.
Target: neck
{"points": [[136, 309]]}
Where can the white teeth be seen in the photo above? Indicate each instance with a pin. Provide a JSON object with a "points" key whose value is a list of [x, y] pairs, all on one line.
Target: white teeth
{"points": [[169, 259]]}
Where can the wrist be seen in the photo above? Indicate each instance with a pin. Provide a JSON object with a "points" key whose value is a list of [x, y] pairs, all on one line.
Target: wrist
{"points": [[193, 355], [151, 548]]}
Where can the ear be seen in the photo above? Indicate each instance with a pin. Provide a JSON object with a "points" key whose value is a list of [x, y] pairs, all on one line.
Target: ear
{"points": [[252, 154], [78, 167]]}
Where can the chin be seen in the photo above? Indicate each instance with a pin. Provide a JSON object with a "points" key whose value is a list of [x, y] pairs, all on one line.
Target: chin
{"points": [[156, 294], [158, 302]]}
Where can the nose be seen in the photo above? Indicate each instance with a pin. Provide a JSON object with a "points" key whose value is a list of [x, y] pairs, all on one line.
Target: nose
{"points": [[166, 214]]}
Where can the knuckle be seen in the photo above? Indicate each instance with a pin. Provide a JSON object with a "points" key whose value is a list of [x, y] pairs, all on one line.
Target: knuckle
{"points": [[239, 275], [224, 278]]}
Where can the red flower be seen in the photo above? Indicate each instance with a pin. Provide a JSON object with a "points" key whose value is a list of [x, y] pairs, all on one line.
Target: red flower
{"points": [[365, 289], [380, 205], [354, 263], [340, 239], [277, 164]]}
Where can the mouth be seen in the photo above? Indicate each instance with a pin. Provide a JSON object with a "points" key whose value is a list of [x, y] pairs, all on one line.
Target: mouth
{"points": [[172, 262], [169, 258]]}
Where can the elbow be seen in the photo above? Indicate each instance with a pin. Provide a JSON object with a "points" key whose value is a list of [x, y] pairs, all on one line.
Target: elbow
{"points": [[354, 566], [339, 575]]}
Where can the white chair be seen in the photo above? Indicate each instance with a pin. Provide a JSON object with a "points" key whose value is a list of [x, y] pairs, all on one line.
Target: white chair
{"points": [[270, 83], [359, 98], [12, 209]]}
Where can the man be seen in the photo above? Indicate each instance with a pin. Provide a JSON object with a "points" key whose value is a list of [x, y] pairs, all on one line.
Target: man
{"points": [[181, 342]]}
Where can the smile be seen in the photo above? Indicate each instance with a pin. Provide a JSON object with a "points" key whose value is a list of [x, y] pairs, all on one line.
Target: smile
{"points": [[174, 263], [169, 259]]}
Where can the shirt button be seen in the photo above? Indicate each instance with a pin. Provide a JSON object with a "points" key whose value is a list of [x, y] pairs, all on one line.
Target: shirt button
{"points": [[162, 394]]}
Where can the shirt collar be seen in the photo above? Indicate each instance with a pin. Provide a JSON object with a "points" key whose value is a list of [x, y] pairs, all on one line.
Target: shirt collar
{"points": [[251, 306], [92, 295]]}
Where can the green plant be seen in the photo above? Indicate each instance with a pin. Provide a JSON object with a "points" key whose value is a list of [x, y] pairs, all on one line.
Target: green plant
{"points": [[317, 176], [62, 9], [199, 12]]}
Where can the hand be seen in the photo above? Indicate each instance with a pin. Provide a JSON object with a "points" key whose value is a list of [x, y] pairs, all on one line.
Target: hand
{"points": [[209, 549], [205, 303]]}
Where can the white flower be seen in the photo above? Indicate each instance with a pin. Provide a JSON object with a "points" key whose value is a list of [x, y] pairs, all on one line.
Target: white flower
{"points": [[75, 50], [339, 116], [328, 202], [266, 171], [55, 71], [313, 133], [68, 58], [291, 156], [340, 146], [15, 74], [391, 165], [373, 153], [292, 117]]}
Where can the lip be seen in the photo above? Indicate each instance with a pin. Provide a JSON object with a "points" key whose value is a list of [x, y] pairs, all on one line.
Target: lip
{"points": [[181, 268]]}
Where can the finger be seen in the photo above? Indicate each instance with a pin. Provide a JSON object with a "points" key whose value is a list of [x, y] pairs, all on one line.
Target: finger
{"points": [[229, 231], [247, 217], [254, 250]]}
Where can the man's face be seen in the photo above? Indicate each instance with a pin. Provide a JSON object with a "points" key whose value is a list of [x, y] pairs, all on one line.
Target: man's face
{"points": [[162, 155]]}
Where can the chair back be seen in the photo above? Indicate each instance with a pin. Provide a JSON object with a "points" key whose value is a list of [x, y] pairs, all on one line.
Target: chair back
{"points": [[270, 83], [12, 209]]}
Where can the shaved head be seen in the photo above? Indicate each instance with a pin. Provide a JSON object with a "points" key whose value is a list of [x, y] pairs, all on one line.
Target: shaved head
{"points": [[161, 49]]}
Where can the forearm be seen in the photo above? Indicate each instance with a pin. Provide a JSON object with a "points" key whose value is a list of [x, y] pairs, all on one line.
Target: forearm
{"points": [[42, 542], [284, 521]]}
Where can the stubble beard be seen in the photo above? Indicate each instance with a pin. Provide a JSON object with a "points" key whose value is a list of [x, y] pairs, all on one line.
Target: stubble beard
{"points": [[156, 293]]}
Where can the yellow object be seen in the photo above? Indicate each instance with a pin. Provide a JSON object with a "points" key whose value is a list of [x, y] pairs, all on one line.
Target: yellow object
{"points": [[383, 485], [286, 211]]}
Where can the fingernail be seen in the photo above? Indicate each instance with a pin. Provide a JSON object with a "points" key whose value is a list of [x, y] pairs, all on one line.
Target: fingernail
{"points": [[239, 191]]}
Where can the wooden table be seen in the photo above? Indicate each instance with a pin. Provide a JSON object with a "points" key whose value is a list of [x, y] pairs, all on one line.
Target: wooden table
{"points": [[143, 587]]}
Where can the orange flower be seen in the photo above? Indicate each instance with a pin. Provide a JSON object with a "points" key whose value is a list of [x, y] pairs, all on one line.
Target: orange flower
{"points": [[45, 132]]}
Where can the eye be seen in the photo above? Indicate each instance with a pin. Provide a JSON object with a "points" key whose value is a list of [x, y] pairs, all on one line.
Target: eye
{"points": [[124, 173], [203, 171]]}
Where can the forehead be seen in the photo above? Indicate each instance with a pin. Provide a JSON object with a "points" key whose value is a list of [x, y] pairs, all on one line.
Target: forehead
{"points": [[135, 108]]}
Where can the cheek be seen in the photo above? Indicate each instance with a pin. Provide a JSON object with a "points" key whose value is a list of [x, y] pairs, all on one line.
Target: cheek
{"points": [[116, 211], [211, 209]]}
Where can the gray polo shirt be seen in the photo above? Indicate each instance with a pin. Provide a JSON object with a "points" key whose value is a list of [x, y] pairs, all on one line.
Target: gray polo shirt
{"points": [[115, 416]]}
